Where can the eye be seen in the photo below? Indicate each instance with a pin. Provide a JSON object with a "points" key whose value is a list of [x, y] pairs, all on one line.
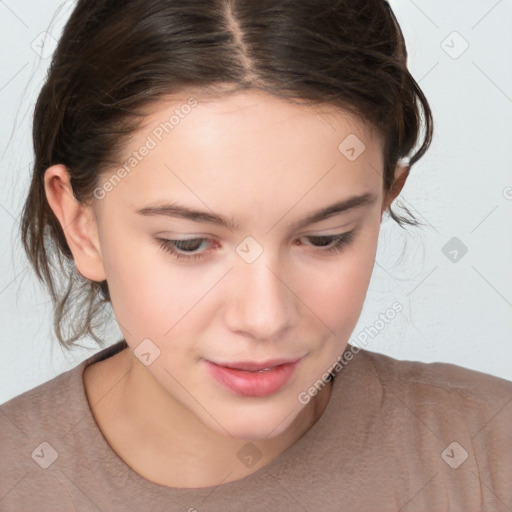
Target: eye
{"points": [[188, 247], [332, 243]]}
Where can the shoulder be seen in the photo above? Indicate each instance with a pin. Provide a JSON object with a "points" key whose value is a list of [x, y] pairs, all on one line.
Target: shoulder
{"points": [[440, 379], [35, 425], [44, 407], [57, 403], [51, 428], [446, 397], [463, 416], [437, 427]]}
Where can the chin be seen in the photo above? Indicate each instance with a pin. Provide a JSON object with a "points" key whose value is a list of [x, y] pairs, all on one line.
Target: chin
{"points": [[254, 425]]}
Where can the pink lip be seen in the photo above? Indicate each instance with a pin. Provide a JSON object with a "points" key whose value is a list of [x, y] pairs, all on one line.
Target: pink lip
{"points": [[251, 382], [252, 366]]}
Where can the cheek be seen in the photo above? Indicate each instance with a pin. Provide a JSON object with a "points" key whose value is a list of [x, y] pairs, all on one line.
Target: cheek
{"points": [[336, 291], [135, 279], [150, 294]]}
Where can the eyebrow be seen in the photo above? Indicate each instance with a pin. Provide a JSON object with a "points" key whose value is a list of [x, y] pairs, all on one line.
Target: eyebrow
{"points": [[183, 212]]}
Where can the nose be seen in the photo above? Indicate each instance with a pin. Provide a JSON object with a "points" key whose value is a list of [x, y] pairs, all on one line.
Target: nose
{"points": [[260, 302]]}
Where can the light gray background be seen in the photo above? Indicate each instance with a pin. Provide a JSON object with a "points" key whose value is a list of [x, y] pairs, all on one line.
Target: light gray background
{"points": [[457, 307]]}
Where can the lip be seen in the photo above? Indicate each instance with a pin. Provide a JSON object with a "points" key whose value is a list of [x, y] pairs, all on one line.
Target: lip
{"points": [[254, 366], [253, 380]]}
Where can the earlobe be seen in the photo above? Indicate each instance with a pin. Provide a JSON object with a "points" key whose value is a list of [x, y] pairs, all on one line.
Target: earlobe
{"points": [[401, 174], [77, 222]]}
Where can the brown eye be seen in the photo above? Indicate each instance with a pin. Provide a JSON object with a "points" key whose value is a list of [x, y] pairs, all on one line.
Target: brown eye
{"points": [[188, 245], [333, 243], [321, 241], [180, 248]]}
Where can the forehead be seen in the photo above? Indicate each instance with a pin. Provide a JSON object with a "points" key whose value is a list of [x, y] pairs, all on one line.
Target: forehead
{"points": [[249, 144], [252, 111]]}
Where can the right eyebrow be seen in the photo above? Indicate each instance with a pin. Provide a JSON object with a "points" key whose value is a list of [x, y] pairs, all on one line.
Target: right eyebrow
{"points": [[184, 212]]}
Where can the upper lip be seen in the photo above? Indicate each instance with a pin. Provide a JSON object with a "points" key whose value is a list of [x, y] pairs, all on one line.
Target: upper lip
{"points": [[253, 366]]}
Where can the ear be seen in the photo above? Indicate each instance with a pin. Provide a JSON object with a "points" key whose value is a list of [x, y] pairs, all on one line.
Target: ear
{"points": [[401, 174], [77, 221]]}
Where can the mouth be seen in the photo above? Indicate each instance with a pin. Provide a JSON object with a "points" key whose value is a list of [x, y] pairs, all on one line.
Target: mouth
{"points": [[253, 379], [251, 366]]}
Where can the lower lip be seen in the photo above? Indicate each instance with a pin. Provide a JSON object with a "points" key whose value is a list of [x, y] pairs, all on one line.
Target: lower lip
{"points": [[253, 383]]}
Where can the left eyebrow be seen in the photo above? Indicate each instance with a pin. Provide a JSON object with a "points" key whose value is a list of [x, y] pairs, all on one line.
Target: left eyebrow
{"points": [[176, 210], [335, 209]]}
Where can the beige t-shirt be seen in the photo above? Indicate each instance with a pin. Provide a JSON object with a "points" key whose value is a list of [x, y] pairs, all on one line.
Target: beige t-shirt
{"points": [[396, 435]]}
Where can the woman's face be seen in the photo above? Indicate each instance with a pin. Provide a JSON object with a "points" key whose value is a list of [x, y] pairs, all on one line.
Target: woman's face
{"points": [[262, 284]]}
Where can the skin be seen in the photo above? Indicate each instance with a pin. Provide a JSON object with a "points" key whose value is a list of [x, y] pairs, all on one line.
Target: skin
{"points": [[264, 163]]}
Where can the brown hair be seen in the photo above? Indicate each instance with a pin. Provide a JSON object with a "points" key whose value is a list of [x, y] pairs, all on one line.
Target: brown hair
{"points": [[115, 58]]}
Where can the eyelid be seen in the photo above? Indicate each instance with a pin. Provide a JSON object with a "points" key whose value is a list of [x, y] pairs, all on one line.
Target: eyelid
{"points": [[173, 235], [209, 238], [322, 231]]}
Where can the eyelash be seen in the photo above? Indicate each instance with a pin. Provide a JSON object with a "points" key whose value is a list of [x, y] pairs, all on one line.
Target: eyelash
{"points": [[340, 242]]}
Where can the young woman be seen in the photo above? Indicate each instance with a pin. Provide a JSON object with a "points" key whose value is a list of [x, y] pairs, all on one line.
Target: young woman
{"points": [[217, 172]]}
